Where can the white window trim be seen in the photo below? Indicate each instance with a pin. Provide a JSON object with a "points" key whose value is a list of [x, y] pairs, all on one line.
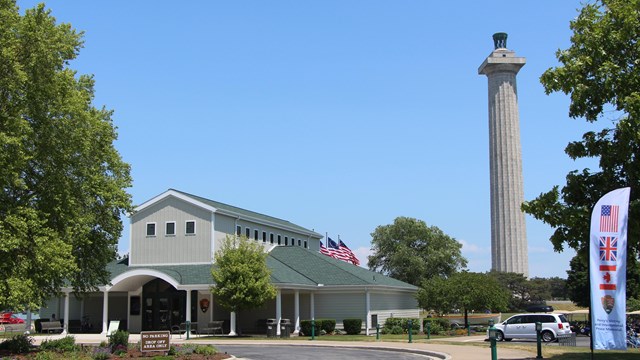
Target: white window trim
{"points": [[195, 230], [279, 239], [174, 228], [247, 230], [272, 238], [155, 229], [256, 234], [239, 227]]}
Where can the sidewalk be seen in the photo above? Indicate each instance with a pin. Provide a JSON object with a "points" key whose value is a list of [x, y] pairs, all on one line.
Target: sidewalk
{"points": [[443, 351]]}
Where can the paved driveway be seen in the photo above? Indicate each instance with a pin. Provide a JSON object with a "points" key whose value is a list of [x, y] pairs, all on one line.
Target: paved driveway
{"points": [[283, 352]]}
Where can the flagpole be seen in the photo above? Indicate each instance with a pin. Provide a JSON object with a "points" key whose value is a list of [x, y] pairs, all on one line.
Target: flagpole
{"points": [[591, 322]]}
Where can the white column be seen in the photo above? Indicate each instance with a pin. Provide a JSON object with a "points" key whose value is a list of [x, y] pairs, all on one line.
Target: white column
{"points": [[188, 309], [368, 305], [65, 326], [232, 324], [297, 312], [28, 322], [278, 310], [105, 311], [313, 306]]}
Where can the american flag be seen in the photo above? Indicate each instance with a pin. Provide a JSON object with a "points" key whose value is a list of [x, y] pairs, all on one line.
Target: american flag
{"points": [[608, 248], [338, 251], [609, 218]]}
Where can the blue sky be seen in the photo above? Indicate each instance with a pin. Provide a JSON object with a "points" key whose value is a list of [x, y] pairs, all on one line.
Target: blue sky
{"points": [[336, 115]]}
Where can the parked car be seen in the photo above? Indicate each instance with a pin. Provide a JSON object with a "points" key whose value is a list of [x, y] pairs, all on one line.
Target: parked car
{"points": [[8, 317], [523, 326]]}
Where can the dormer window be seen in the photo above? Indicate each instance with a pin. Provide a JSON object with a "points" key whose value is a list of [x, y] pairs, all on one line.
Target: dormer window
{"points": [[170, 228], [190, 227], [151, 229]]}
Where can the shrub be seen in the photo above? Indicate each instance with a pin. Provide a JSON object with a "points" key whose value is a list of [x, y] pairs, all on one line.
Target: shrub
{"points": [[205, 350], [352, 326], [396, 330], [402, 323], [328, 325], [119, 337], [17, 344], [436, 327], [44, 355], [101, 353], [305, 327], [65, 344]]}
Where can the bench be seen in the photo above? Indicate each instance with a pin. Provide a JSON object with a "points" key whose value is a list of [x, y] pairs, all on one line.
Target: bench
{"points": [[182, 328], [213, 327], [49, 326]]}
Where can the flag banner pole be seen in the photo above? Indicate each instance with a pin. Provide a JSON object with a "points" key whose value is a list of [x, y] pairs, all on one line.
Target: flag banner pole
{"points": [[608, 270]]}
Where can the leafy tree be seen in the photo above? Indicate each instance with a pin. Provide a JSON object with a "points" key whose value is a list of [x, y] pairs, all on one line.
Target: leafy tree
{"points": [[411, 251], [464, 290], [558, 288], [242, 278], [63, 182], [600, 73]]}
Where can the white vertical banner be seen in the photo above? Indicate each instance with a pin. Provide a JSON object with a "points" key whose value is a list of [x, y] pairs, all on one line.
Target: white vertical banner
{"points": [[608, 270]]}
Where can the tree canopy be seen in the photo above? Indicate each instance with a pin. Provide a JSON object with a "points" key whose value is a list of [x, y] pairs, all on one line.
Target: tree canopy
{"points": [[242, 278], [63, 182], [411, 251], [600, 73], [465, 291]]}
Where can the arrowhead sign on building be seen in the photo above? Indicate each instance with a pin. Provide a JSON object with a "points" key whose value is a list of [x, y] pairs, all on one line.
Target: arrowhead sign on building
{"points": [[608, 269]]}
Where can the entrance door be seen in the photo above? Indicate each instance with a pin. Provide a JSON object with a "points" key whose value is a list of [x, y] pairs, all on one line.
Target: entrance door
{"points": [[163, 305]]}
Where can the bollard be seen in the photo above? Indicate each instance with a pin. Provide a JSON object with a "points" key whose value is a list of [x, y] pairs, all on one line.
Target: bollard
{"points": [[313, 329], [539, 339], [468, 330], [428, 330], [492, 338], [377, 331], [410, 332], [188, 328]]}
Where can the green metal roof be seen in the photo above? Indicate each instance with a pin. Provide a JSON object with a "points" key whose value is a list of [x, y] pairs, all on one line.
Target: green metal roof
{"points": [[248, 213], [290, 266]]}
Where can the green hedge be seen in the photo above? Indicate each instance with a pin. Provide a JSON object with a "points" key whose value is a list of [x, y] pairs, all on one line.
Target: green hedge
{"points": [[328, 325], [352, 326], [400, 325]]}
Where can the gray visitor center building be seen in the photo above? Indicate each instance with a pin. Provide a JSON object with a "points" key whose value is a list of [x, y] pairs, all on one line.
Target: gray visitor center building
{"points": [[165, 281]]}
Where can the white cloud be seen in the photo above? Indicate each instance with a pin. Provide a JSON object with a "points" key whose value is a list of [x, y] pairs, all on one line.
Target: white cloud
{"points": [[468, 247], [362, 253]]}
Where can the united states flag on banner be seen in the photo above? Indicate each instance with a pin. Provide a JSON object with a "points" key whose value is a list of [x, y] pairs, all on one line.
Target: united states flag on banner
{"points": [[609, 218]]}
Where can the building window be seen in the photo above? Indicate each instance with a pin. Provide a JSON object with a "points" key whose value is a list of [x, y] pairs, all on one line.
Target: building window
{"points": [[264, 236], [190, 227], [170, 228], [271, 238], [238, 230], [279, 240], [299, 243], [151, 229], [305, 244], [286, 241], [247, 232], [255, 235]]}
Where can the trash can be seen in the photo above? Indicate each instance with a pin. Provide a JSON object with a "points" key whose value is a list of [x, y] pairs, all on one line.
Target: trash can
{"points": [[272, 327], [285, 328]]}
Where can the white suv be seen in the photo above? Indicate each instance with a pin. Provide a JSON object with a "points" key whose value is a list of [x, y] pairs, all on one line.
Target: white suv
{"points": [[523, 326]]}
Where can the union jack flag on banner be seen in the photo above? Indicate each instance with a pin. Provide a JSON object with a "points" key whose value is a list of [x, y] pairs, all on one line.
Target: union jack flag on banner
{"points": [[608, 248], [609, 218]]}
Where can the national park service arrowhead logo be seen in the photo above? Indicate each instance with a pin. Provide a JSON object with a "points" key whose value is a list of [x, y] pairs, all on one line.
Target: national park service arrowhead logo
{"points": [[607, 303]]}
